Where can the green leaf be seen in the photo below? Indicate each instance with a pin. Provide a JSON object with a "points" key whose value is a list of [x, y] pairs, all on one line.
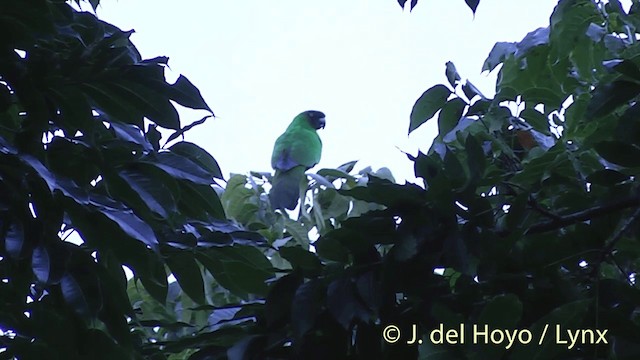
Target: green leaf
{"points": [[81, 288], [343, 303], [241, 269], [536, 119], [187, 272], [152, 191], [569, 23], [158, 109], [541, 95], [499, 53], [299, 232], [280, 299], [369, 290], [179, 167], [607, 177], [625, 67], [454, 169], [48, 263], [200, 201], [386, 193], [198, 156], [152, 274], [428, 105], [619, 153], [74, 295], [609, 96], [305, 307], [220, 233], [450, 115], [475, 157], [301, 259], [333, 174], [131, 133], [107, 101], [333, 205], [66, 186], [331, 249], [131, 225], [348, 166]]}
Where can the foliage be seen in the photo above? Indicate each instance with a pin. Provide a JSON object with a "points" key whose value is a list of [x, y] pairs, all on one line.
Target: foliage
{"points": [[526, 217], [81, 117]]}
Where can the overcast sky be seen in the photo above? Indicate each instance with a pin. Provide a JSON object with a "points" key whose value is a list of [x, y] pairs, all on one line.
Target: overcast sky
{"points": [[362, 62]]}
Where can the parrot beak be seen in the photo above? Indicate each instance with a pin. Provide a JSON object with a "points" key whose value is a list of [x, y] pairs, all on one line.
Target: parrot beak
{"points": [[322, 122]]}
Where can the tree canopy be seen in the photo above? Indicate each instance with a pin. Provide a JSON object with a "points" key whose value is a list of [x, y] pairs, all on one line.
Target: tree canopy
{"points": [[525, 221]]}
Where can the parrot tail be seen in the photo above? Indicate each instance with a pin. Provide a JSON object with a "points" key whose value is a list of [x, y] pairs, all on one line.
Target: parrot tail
{"points": [[285, 190]]}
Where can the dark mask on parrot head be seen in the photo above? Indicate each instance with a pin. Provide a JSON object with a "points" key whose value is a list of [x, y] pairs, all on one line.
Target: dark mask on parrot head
{"points": [[316, 119]]}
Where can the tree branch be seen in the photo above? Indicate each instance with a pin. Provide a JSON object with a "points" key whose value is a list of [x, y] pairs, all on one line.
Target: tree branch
{"points": [[583, 215]]}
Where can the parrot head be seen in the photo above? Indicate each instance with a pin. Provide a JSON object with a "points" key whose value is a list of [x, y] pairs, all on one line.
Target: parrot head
{"points": [[315, 118]]}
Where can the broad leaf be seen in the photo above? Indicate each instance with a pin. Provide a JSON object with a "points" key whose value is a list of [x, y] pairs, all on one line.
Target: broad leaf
{"points": [[427, 105]]}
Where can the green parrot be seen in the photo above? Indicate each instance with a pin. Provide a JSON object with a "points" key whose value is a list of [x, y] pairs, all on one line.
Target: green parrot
{"points": [[295, 151]]}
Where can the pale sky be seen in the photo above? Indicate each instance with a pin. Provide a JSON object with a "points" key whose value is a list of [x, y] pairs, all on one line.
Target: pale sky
{"points": [[362, 62]]}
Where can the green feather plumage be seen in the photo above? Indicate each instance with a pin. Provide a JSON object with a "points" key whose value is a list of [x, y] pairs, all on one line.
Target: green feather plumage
{"points": [[296, 150]]}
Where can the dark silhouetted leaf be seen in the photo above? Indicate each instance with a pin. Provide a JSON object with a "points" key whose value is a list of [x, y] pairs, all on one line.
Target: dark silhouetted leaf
{"points": [[280, 299], [152, 191], [473, 4], [305, 307], [607, 177], [609, 96], [181, 132], [179, 167], [49, 263], [343, 303], [450, 115], [625, 67], [131, 133], [131, 225], [619, 153], [198, 156], [187, 272], [14, 241], [301, 258], [186, 94], [476, 158]]}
